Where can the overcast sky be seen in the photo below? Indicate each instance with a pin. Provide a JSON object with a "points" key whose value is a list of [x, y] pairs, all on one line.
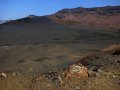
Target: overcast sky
{"points": [[14, 9]]}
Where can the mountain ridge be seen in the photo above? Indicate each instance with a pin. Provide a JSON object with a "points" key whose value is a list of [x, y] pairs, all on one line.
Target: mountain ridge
{"points": [[107, 16], [98, 16], [107, 10]]}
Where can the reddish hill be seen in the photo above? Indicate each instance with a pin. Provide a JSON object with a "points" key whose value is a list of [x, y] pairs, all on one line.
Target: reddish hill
{"points": [[108, 16]]}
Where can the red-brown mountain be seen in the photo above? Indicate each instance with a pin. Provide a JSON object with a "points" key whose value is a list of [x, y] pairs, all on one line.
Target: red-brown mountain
{"points": [[108, 16]]}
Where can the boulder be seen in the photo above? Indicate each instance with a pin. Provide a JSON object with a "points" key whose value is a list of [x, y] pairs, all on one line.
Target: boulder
{"points": [[4, 75], [77, 71]]}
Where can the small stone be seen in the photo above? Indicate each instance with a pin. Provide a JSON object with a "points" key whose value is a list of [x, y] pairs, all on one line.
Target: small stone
{"points": [[60, 79], [99, 70], [4, 75], [48, 85], [77, 87], [109, 59], [47, 78], [114, 76], [50, 71], [89, 86], [14, 74]]}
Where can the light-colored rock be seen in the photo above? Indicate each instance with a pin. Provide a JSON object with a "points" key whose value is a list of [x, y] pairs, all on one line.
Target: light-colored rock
{"points": [[60, 79], [77, 87], [4, 75], [14, 74], [78, 71]]}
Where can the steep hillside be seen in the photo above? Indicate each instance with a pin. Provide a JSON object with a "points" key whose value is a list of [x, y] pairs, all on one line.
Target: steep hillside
{"points": [[108, 16]]}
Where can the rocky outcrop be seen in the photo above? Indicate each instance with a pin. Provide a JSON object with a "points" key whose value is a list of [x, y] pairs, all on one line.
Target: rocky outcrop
{"points": [[77, 71], [84, 68]]}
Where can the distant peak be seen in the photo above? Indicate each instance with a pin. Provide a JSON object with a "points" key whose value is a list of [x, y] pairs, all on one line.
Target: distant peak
{"points": [[32, 16]]}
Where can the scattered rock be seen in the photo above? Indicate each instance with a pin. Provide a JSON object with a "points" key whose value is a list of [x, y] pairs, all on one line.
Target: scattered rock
{"points": [[109, 59], [60, 79], [94, 71], [77, 87], [78, 71], [51, 75], [114, 76], [48, 85], [4, 75], [14, 74], [89, 86]]}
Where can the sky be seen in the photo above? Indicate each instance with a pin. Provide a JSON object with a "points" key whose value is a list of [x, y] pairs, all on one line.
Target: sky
{"points": [[14, 9]]}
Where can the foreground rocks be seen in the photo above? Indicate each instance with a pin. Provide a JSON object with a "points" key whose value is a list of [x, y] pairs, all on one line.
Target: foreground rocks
{"points": [[82, 68], [102, 72]]}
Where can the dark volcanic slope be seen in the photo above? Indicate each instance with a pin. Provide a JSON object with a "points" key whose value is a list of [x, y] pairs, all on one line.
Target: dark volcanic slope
{"points": [[31, 19], [36, 29], [108, 16], [34, 33]]}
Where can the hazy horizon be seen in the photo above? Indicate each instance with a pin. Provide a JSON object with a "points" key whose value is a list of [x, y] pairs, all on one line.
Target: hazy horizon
{"points": [[15, 9]]}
